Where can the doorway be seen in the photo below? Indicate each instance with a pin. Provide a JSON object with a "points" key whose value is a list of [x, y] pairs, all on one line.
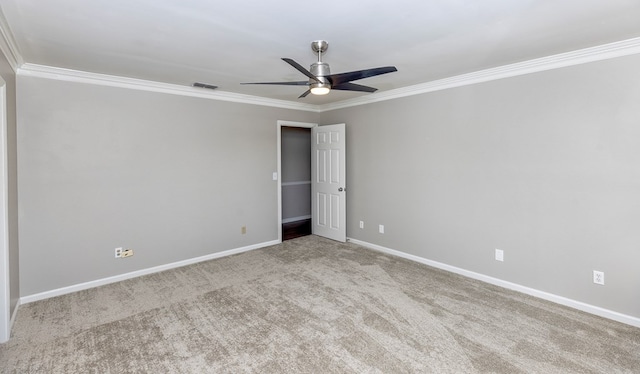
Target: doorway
{"points": [[296, 181], [326, 178]]}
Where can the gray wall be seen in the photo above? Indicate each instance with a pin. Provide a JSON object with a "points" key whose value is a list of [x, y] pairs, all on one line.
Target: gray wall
{"points": [[9, 77], [171, 177], [544, 166], [296, 167]]}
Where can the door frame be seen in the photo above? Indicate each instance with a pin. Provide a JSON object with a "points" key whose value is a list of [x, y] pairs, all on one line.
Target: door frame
{"points": [[5, 288], [280, 125]]}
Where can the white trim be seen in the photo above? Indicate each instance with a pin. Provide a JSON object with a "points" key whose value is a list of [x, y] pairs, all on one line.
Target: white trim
{"points": [[581, 56], [287, 184], [5, 291], [293, 219], [139, 273], [69, 75], [8, 44], [592, 309]]}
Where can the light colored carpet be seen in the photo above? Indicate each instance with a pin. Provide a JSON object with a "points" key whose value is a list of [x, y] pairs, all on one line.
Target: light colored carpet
{"points": [[311, 305]]}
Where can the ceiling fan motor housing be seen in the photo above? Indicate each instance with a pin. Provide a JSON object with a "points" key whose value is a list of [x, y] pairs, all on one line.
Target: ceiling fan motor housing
{"points": [[320, 70], [322, 85]]}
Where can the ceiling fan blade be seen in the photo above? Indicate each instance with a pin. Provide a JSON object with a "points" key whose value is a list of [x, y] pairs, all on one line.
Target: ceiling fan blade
{"points": [[300, 68], [304, 94], [353, 87], [299, 83], [340, 78]]}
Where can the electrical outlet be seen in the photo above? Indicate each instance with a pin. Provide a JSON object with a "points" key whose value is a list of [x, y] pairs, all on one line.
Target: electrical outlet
{"points": [[362, 224], [598, 277], [118, 252], [381, 229], [127, 253], [243, 230], [499, 255]]}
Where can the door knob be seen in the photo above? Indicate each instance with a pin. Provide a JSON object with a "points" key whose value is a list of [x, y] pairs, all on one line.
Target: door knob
{"points": [[340, 189]]}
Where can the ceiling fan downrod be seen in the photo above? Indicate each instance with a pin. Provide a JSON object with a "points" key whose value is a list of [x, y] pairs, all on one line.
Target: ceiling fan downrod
{"points": [[319, 47]]}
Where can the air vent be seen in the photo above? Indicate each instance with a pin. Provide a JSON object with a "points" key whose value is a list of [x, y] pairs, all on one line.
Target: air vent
{"points": [[204, 85]]}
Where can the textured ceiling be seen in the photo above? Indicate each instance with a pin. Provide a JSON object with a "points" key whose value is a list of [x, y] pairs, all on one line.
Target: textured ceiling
{"points": [[228, 42]]}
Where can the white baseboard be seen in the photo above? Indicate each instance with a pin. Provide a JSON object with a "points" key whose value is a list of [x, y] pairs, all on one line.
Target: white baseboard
{"points": [[293, 219], [592, 309], [138, 273]]}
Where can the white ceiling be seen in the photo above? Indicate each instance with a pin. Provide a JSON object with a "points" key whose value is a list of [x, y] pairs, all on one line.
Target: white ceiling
{"points": [[228, 42]]}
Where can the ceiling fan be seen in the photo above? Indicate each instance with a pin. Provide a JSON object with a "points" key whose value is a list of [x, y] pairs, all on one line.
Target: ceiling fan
{"points": [[321, 81]]}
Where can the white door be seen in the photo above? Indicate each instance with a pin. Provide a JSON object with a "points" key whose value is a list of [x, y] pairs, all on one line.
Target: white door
{"points": [[328, 184]]}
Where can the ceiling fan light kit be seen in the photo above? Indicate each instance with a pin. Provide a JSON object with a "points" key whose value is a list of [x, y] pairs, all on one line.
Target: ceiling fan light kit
{"points": [[321, 81], [320, 89]]}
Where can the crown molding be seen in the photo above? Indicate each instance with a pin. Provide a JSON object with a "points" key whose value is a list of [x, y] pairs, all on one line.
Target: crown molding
{"points": [[69, 75], [581, 56], [8, 44]]}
